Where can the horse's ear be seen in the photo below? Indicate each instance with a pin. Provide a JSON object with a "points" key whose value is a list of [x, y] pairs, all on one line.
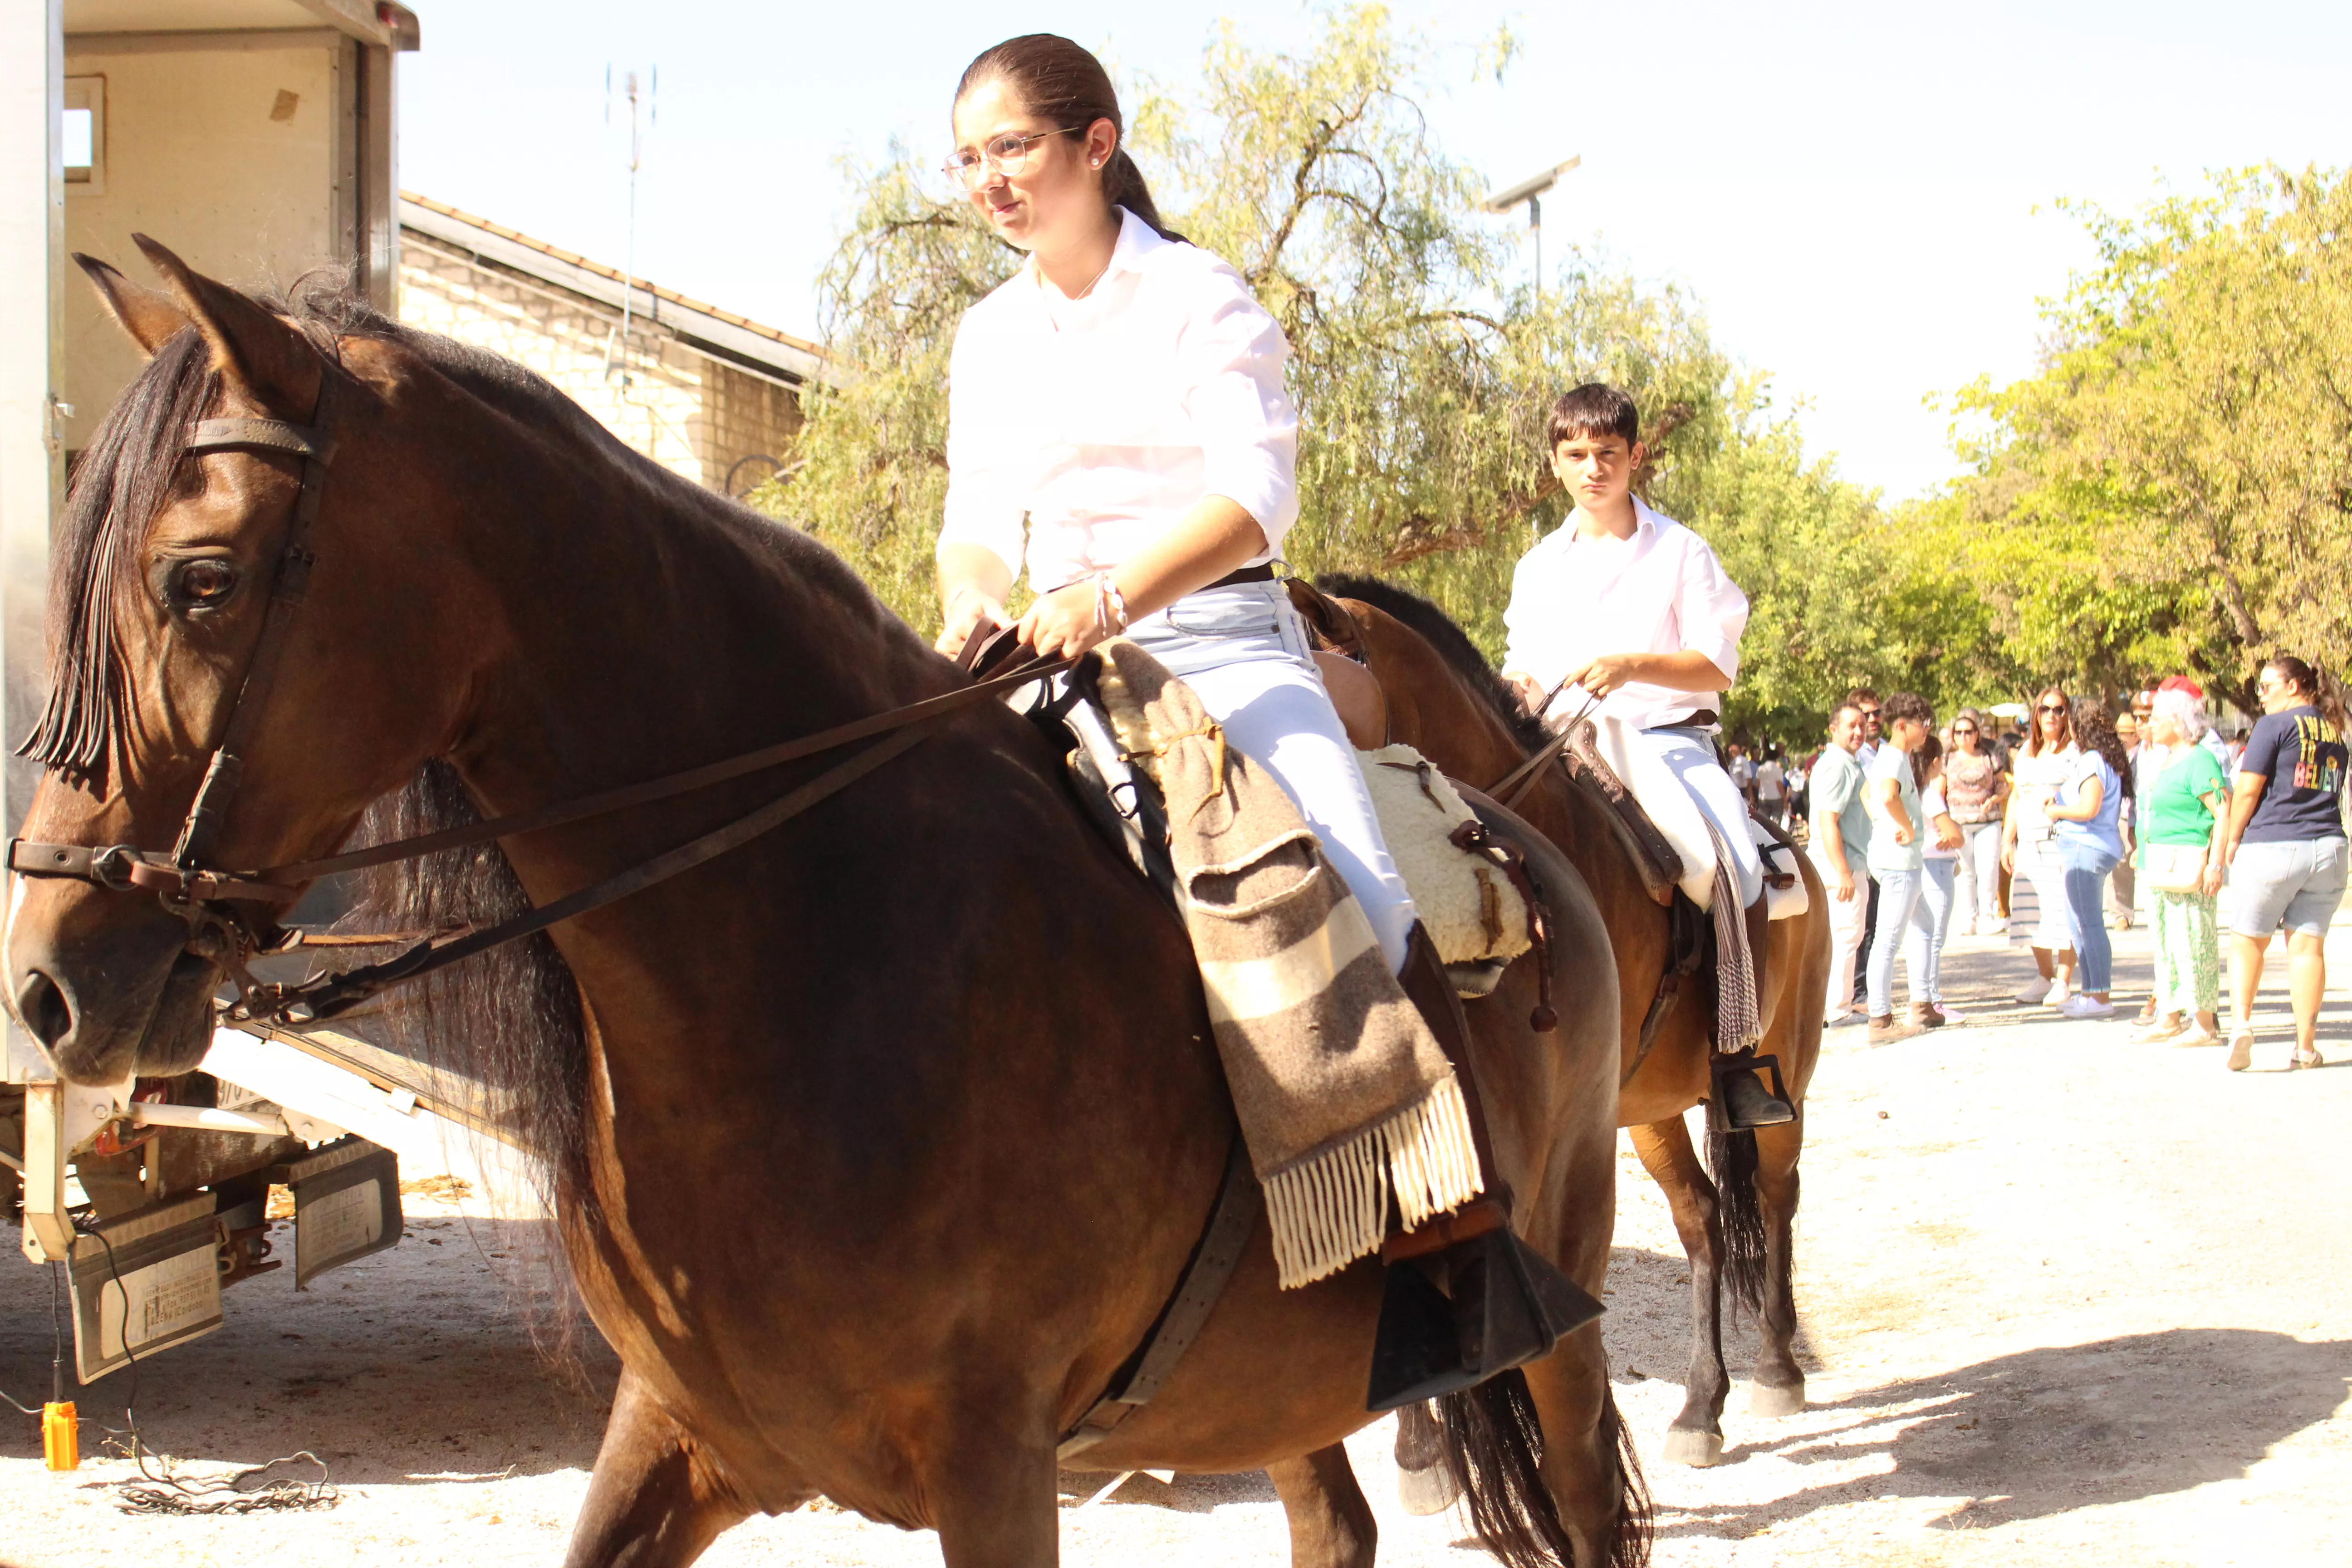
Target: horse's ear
{"points": [[262, 354], [151, 319]]}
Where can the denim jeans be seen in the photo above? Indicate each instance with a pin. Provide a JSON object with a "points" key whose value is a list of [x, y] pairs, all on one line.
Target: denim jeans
{"points": [[1898, 895], [1244, 652], [1931, 924], [2086, 866]]}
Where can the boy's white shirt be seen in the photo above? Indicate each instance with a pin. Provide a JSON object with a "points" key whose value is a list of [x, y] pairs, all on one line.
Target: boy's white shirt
{"points": [[1575, 599]]}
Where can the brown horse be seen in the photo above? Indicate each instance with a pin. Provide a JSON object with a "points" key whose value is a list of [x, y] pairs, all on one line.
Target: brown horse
{"points": [[1445, 698], [878, 1145]]}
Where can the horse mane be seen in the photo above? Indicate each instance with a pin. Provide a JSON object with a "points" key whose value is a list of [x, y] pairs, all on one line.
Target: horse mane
{"points": [[1451, 642], [137, 461], [509, 1018]]}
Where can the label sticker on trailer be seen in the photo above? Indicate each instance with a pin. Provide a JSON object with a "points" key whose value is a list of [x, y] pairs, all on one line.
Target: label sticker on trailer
{"points": [[145, 1282], [346, 1212]]}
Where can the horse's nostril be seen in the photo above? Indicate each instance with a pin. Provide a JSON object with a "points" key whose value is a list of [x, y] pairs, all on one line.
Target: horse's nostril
{"points": [[43, 1008]]}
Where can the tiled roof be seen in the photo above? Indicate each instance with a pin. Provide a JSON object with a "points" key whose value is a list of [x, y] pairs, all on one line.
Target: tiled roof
{"points": [[689, 318]]}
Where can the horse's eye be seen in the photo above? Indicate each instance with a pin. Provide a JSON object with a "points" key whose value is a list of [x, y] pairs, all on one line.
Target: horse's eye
{"points": [[200, 585]]}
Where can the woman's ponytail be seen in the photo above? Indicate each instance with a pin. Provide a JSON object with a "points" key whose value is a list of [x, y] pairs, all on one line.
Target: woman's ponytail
{"points": [[2320, 687], [1123, 186], [1058, 80]]}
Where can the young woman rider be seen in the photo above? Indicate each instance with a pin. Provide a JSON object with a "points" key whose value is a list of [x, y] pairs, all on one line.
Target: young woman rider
{"points": [[1117, 421], [1124, 394]]}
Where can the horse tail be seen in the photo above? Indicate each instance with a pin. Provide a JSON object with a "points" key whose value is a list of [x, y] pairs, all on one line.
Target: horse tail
{"points": [[1629, 1546], [1494, 1446], [1731, 1156]]}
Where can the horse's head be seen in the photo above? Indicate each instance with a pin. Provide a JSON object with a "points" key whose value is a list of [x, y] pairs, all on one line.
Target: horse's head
{"points": [[163, 577]]}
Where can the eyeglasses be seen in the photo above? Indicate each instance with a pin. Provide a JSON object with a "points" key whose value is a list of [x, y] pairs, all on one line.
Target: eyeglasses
{"points": [[2053, 708], [1964, 729], [1007, 154]]}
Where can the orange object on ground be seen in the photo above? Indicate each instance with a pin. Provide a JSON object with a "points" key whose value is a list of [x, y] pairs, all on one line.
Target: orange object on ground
{"points": [[60, 1436]]}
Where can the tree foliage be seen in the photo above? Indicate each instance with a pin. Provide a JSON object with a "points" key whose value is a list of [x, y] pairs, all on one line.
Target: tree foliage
{"points": [[1424, 365], [2174, 489]]}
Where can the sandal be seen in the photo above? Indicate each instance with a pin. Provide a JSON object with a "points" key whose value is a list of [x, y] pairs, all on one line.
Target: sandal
{"points": [[2242, 1048], [2303, 1059], [2156, 1033]]}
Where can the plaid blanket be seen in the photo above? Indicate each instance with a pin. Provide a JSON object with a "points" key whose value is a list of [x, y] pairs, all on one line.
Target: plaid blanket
{"points": [[1345, 1098]]}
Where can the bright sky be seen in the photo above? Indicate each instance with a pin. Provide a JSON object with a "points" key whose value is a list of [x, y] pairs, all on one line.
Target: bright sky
{"points": [[1863, 197]]}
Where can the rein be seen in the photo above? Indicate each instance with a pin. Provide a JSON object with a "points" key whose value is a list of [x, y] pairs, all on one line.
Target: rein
{"points": [[201, 894]]}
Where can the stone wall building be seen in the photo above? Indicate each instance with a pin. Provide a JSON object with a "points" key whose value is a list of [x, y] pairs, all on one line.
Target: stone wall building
{"points": [[701, 391]]}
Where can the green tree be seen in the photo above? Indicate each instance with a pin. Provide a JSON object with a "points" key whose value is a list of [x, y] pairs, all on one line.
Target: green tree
{"points": [[2175, 487], [1422, 370]]}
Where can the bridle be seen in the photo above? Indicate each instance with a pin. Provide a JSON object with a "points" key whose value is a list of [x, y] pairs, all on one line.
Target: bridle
{"points": [[192, 887]]}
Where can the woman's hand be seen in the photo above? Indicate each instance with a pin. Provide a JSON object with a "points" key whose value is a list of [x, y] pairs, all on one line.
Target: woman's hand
{"points": [[2209, 880], [967, 606], [1064, 624], [2009, 856], [1948, 831]]}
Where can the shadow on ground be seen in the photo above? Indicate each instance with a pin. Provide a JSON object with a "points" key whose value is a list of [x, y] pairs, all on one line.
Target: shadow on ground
{"points": [[2046, 1431]]}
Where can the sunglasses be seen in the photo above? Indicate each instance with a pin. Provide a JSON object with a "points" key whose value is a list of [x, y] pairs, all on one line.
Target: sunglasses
{"points": [[2053, 708], [1964, 729]]}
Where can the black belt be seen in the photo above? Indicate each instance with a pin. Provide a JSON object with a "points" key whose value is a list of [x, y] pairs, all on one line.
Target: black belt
{"points": [[1235, 579]]}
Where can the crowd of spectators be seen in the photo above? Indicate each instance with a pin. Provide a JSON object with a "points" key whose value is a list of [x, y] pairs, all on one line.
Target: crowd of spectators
{"points": [[2145, 811]]}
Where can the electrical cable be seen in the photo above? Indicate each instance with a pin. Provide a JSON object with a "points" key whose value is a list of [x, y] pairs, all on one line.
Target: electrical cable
{"points": [[167, 1493], [56, 1351]]}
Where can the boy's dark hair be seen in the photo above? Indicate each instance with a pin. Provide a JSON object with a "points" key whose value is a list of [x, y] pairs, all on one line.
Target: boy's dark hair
{"points": [[1906, 705], [1861, 694], [1596, 408]]}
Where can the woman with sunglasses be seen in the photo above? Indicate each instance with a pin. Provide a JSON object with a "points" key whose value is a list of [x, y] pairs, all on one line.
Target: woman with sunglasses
{"points": [[2285, 847], [1978, 794], [2028, 847]]}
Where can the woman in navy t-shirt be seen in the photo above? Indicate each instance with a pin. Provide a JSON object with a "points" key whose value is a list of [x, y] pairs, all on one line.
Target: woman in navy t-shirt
{"points": [[2285, 850]]}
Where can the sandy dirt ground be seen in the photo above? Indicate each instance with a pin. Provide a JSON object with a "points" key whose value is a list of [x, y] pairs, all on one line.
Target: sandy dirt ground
{"points": [[2065, 1301]]}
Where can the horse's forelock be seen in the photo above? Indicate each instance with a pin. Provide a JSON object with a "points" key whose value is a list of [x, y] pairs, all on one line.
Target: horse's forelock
{"points": [[119, 483]]}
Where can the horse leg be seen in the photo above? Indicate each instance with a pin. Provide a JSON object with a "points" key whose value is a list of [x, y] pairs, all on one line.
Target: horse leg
{"points": [[1425, 1484], [654, 1502], [1330, 1523], [1591, 1471], [996, 1507], [1779, 1385], [1695, 1435]]}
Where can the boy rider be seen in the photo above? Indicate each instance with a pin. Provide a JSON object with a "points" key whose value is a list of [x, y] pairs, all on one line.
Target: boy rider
{"points": [[1624, 611]]}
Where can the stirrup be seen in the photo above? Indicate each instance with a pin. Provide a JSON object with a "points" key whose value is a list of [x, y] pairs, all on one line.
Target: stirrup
{"points": [[1741, 1078], [1452, 1320]]}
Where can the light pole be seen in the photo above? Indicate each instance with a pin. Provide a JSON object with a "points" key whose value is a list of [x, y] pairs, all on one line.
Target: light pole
{"points": [[1528, 190]]}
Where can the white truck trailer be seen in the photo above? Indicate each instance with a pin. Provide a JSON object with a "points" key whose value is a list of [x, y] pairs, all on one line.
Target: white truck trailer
{"points": [[256, 138]]}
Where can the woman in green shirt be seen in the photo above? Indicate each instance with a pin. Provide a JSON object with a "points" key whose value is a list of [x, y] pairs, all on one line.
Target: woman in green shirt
{"points": [[2187, 796]]}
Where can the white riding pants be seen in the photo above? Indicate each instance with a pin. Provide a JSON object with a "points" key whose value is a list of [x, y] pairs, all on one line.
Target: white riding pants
{"points": [[1691, 755], [1245, 652]]}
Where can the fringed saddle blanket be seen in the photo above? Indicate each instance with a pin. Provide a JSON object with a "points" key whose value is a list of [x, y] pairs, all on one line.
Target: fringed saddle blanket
{"points": [[1345, 1098]]}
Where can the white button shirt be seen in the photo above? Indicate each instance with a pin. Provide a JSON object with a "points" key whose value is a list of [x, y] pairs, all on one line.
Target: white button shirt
{"points": [[1574, 599], [1100, 422]]}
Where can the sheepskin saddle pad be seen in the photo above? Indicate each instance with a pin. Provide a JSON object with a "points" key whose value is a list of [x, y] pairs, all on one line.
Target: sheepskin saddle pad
{"points": [[1474, 912], [1345, 1100]]}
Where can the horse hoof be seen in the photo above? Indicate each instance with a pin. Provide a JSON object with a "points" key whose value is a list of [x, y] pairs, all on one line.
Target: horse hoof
{"points": [[1767, 1399], [1698, 1449], [1424, 1492]]}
